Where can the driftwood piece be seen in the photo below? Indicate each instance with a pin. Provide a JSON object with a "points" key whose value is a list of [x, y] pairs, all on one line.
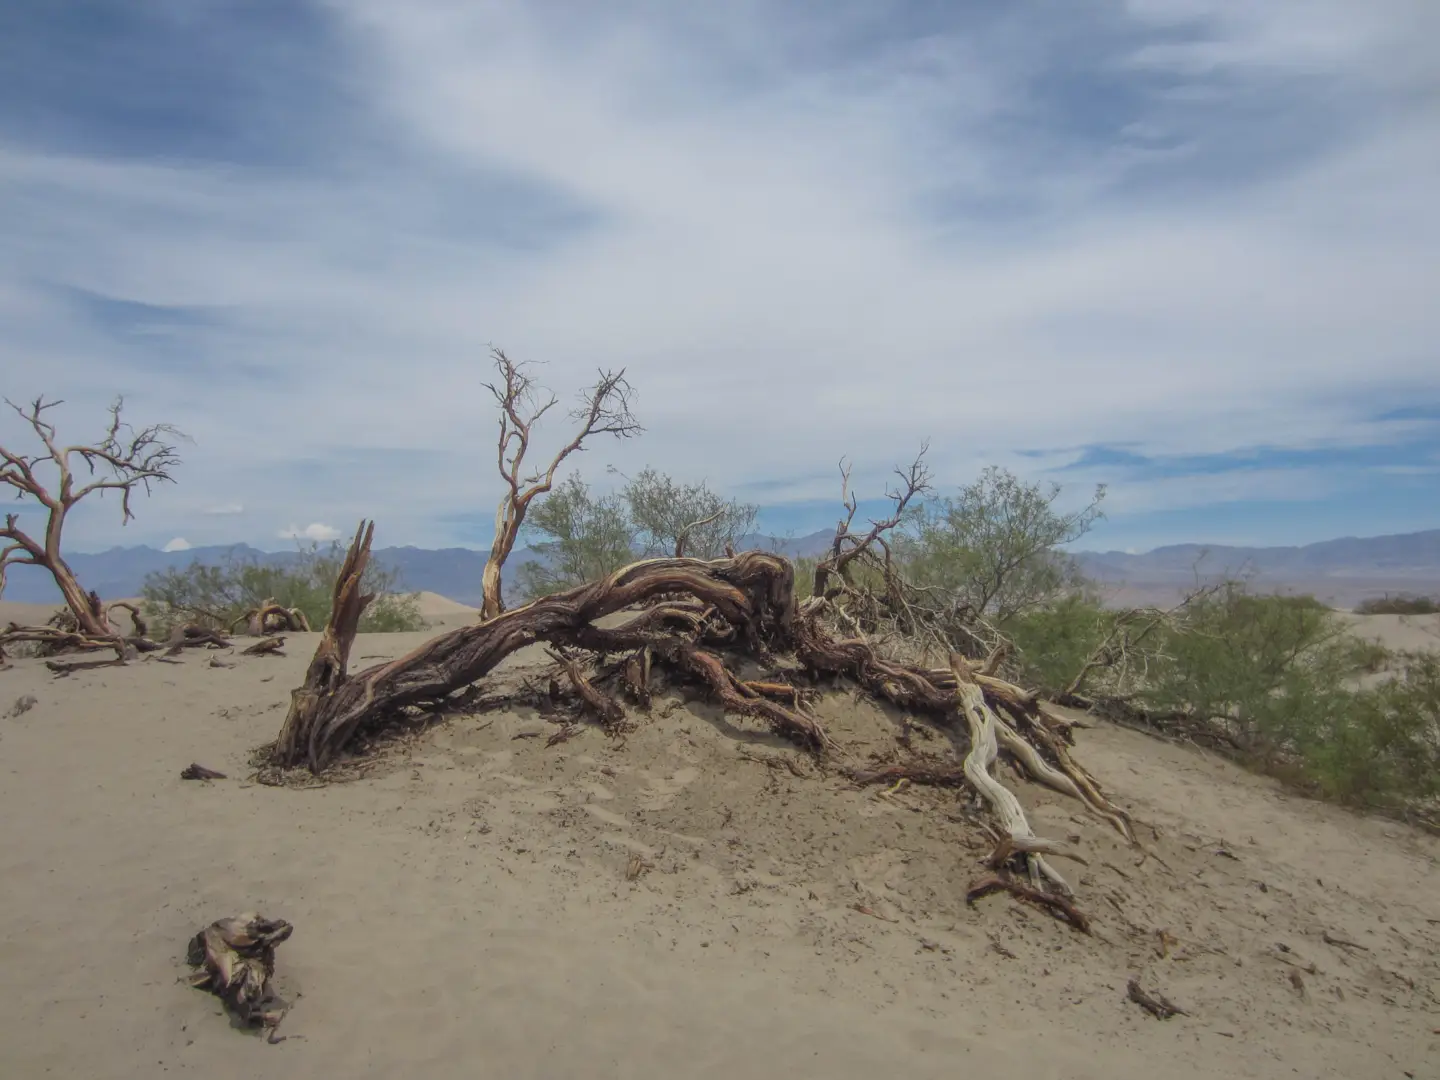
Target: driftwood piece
{"points": [[61, 669], [138, 620], [193, 637], [1158, 1006], [272, 646], [236, 958], [272, 617], [196, 771]]}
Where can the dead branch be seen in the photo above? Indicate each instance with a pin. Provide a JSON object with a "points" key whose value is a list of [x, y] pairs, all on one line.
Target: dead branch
{"points": [[688, 529], [61, 669], [604, 410], [136, 619], [635, 676], [272, 617], [1122, 649], [1159, 1006], [124, 459], [611, 715], [935, 774], [265, 647], [191, 637], [846, 546], [1059, 906], [195, 771]]}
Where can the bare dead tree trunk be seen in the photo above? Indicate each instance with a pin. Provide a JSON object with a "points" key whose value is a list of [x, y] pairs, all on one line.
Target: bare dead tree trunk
{"points": [[327, 672], [753, 591], [123, 460], [604, 410]]}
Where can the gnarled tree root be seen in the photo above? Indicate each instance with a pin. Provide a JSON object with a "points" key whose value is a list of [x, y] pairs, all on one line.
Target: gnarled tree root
{"points": [[1059, 906], [684, 611], [984, 748]]}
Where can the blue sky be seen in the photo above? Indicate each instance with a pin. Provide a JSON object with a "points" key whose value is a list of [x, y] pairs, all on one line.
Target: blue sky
{"points": [[1187, 248]]}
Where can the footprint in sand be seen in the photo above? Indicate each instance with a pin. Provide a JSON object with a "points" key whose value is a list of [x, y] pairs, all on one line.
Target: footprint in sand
{"points": [[661, 791]]}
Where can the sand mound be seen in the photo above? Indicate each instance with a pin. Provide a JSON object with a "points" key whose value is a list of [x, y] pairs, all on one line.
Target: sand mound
{"points": [[1400, 633], [695, 899], [433, 605]]}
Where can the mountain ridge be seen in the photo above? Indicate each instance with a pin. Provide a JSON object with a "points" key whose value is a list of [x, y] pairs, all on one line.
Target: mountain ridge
{"points": [[1344, 566]]}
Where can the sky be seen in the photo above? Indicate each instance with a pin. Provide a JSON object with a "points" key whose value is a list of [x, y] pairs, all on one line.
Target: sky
{"points": [[1185, 248]]}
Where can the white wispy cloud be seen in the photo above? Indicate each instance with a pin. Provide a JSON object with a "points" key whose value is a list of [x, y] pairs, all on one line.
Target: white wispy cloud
{"points": [[1187, 225], [314, 531]]}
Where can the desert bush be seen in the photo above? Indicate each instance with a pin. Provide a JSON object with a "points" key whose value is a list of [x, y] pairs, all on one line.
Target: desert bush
{"points": [[1399, 605], [586, 536], [1242, 659], [1053, 643], [219, 595], [661, 511], [995, 547], [1279, 676], [1380, 746], [581, 535]]}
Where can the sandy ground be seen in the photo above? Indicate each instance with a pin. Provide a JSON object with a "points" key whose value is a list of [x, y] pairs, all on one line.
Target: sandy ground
{"points": [[1401, 633], [463, 909]]}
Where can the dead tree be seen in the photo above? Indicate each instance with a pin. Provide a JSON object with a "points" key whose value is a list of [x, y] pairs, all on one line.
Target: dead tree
{"points": [[847, 546], [686, 615], [123, 460], [604, 410]]}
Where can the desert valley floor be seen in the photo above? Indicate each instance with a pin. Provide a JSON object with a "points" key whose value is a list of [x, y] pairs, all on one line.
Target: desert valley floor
{"points": [[466, 906]]}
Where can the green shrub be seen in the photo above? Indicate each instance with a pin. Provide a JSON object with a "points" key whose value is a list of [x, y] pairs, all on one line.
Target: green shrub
{"points": [[1053, 643], [1279, 675], [582, 536], [1399, 605], [1380, 746], [995, 547], [586, 538], [218, 596], [1235, 656]]}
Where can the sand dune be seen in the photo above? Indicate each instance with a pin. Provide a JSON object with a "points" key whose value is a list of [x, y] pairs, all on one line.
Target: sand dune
{"points": [[432, 605], [1401, 633], [464, 910]]}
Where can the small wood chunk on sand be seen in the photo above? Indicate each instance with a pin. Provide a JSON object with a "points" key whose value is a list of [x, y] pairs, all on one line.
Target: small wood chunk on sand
{"points": [[236, 961]]}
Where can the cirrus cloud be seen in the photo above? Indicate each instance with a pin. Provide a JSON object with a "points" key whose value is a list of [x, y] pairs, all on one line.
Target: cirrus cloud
{"points": [[1191, 227]]}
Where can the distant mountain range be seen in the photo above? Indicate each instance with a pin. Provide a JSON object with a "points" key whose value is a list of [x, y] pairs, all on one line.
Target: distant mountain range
{"points": [[1343, 572], [452, 572]]}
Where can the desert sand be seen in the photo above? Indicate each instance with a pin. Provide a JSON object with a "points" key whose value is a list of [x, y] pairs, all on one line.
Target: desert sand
{"points": [[463, 907]]}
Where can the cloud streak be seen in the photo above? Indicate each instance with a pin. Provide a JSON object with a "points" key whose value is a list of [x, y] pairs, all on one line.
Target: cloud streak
{"points": [[1186, 226]]}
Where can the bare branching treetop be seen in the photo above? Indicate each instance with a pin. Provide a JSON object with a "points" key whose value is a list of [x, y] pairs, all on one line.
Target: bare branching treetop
{"points": [[604, 409], [915, 482], [57, 477]]}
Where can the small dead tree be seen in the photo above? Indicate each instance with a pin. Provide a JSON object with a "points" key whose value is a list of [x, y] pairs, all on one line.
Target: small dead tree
{"points": [[604, 410], [124, 459]]}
